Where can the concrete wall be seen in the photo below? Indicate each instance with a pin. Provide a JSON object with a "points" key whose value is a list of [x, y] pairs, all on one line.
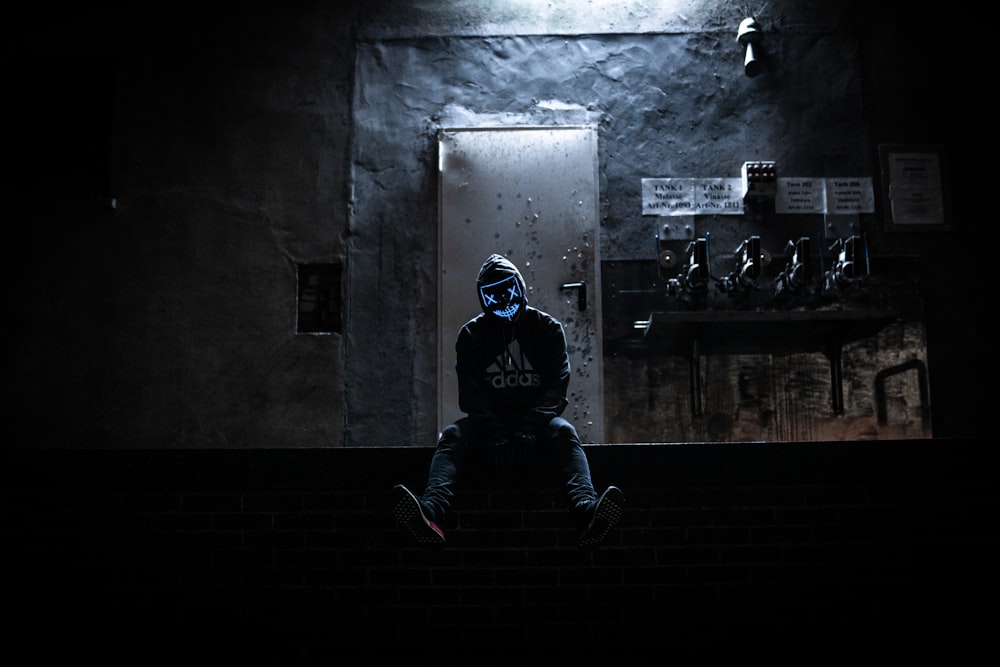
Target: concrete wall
{"points": [[242, 145], [170, 320]]}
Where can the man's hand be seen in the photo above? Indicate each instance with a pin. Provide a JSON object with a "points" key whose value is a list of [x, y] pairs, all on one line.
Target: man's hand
{"points": [[524, 440], [498, 445], [505, 452], [498, 452]]}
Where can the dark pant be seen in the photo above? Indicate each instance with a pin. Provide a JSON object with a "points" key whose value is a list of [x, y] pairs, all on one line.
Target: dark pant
{"points": [[556, 446]]}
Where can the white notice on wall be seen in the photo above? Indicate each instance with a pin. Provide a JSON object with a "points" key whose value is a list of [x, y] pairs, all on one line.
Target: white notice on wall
{"points": [[915, 190], [692, 196], [719, 196], [724, 196], [668, 196], [849, 195], [800, 195]]}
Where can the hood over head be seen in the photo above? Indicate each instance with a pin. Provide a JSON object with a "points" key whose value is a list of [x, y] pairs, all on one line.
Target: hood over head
{"points": [[501, 289]]}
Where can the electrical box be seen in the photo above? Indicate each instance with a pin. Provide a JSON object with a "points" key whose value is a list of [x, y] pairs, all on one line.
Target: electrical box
{"points": [[760, 180]]}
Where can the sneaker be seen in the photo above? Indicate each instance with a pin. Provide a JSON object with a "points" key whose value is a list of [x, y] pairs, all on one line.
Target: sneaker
{"points": [[607, 510], [410, 515]]}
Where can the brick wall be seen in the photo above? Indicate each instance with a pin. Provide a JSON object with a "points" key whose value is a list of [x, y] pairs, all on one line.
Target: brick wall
{"points": [[798, 551]]}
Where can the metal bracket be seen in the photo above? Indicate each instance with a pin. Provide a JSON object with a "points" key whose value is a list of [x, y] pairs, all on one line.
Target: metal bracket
{"points": [[675, 229]]}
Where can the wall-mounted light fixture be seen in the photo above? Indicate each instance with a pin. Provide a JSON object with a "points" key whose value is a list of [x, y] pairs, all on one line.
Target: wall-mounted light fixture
{"points": [[749, 36]]}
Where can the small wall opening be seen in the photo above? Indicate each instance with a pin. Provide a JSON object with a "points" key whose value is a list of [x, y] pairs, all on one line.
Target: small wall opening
{"points": [[319, 299]]}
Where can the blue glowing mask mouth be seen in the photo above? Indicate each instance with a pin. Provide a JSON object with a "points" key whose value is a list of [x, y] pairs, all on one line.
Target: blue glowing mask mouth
{"points": [[509, 312], [502, 299]]}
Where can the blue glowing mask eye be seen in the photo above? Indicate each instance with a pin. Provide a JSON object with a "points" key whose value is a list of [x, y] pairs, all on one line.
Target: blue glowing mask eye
{"points": [[503, 299]]}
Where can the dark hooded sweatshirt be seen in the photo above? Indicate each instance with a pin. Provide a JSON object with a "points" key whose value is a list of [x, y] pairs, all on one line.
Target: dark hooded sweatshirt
{"points": [[511, 377]]}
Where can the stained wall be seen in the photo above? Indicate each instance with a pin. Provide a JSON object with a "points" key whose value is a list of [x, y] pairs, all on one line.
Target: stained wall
{"points": [[156, 267]]}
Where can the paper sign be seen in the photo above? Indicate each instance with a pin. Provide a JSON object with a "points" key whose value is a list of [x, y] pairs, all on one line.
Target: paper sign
{"points": [[800, 195], [692, 196], [849, 195], [668, 196], [803, 195]]}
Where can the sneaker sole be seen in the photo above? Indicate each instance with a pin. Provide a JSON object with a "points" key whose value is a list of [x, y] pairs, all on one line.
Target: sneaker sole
{"points": [[407, 512], [610, 508]]}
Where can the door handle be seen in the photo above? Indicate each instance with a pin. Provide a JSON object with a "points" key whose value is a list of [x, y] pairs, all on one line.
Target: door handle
{"points": [[581, 293]]}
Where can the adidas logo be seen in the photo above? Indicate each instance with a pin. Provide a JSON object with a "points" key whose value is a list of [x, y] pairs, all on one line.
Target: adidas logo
{"points": [[512, 369]]}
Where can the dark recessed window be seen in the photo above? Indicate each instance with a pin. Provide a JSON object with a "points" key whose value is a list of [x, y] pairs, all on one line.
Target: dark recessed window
{"points": [[319, 300]]}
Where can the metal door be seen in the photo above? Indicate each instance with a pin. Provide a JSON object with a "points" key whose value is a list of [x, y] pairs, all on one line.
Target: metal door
{"points": [[530, 194]]}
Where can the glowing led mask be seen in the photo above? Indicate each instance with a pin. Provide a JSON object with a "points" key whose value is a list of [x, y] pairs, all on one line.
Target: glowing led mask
{"points": [[503, 299]]}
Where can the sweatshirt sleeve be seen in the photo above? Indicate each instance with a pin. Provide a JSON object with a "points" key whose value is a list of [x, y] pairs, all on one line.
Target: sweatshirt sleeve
{"points": [[555, 374]]}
